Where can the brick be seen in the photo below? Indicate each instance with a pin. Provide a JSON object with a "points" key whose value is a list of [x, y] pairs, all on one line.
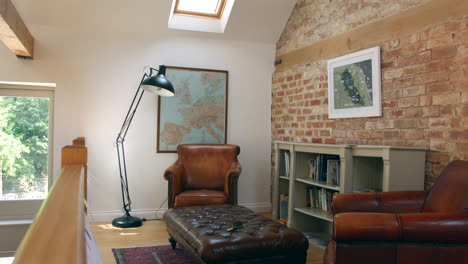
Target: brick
{"points": [[437, 65], [387, 65], [438, 145], [410, 70], [441, 87], [391, 134], [431, 133], [391, 94], [413, 91], [406, 123], [411, 133], [392, 74], [461, 135], [444, 40], [289, 78], [443, 52], [445, 99], [421, 57], [362, 134], [381, 124], [456, 122], [391, 54], [316, 140], [298, 76], [376, 134], [425, 100], [446, 110], [408, 101], [330, 141], [414, 48], [439, 122], [412, 112], [430, 111]]}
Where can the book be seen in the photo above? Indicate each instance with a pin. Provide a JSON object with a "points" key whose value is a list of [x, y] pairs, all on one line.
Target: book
{"points": [[284, 206], [333, 172], [286, 164], [323, 165], [312, 168]]}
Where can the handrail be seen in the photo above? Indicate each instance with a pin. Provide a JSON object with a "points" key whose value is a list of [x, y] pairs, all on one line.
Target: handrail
{"points": [[57, 234]]}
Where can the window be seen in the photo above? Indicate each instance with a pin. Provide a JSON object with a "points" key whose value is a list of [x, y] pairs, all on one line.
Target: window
{"points": [[200, 15], [206, 8], [25, 144]]}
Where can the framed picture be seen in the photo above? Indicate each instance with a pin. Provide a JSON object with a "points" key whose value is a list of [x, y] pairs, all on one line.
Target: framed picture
{"points": [[354, 85], [197, 114]]}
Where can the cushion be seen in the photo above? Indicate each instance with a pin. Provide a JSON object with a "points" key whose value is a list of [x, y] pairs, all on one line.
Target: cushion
{"points": [[200, 197]]}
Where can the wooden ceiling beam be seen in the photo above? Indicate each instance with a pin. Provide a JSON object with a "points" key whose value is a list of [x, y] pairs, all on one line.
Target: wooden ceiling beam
{"points": [[13, 32]]}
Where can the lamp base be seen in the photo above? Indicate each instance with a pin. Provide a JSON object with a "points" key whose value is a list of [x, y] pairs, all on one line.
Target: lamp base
{"points": [[127, 221]]}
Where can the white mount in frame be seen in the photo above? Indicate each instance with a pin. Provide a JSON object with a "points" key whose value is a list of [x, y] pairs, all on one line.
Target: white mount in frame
{"points": [[354, 85]]}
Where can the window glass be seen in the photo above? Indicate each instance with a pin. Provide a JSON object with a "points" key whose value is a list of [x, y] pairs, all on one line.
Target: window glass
{"points": [[199, 6], [24, 147]]}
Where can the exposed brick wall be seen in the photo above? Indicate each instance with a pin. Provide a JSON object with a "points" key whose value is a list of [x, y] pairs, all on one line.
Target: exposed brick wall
{"points": [[315, 20], [424, 97]]}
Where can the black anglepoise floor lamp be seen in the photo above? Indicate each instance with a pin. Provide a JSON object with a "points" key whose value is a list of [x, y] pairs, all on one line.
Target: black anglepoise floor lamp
{"points": [[158, 85]]}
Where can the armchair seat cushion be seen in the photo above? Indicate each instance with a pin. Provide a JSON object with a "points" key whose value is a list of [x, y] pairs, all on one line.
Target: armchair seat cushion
{"points": [[200, 197]]}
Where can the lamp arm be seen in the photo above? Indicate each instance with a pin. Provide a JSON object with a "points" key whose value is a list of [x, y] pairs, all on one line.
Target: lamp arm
{"points": [[119, 141]]}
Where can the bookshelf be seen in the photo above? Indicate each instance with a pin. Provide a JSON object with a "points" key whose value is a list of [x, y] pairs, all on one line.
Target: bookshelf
{"points": [[350, 168]]}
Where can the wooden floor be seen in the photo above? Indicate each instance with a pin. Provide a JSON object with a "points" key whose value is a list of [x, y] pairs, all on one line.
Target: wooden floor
{"points": [[150, 234]]}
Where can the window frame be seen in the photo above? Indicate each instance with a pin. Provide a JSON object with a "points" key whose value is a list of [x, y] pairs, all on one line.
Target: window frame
{"points": [[217, 15], [11, 210]]}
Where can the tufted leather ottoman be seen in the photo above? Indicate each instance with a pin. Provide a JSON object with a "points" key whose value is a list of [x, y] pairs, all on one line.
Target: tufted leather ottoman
{"points": [[202, 231]]}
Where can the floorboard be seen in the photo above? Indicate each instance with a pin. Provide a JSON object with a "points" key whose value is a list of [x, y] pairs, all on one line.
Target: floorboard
{"points": [[150, 234]]}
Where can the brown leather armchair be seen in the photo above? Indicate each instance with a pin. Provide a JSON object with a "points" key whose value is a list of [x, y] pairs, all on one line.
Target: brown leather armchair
{"points": [[406, 226], [204, 174]]}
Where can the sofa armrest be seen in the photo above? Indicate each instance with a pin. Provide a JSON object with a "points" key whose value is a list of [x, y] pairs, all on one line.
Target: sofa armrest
{"points": [[435, 227], [385, 202], [174, 175], [230, 182], [419, 227], [366, 227]]}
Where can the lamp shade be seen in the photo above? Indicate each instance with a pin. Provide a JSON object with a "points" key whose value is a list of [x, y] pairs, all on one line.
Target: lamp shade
{"points": [[158, 84]]}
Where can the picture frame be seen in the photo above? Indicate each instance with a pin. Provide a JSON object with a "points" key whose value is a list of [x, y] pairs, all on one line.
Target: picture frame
{"points": [[197, 113], [354, 84]]}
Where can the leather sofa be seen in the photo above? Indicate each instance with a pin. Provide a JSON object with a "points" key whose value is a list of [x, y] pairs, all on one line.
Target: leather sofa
{"points": [[204, 174], [405, 226]]}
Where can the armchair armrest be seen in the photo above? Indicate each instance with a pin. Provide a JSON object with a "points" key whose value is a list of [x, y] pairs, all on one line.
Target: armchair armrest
{"points": [[174, 175], [419, 227], [385, 202], [230, 182]]}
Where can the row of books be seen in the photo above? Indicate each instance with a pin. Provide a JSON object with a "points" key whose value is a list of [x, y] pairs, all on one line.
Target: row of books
{"points": [[320, 198], [325, 167]]}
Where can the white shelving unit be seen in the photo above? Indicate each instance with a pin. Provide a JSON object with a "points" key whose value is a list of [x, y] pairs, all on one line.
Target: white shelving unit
{"points": [[362, 168]]}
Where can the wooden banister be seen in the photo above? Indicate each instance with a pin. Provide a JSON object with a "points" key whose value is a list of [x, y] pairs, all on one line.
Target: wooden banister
{"points": [[57, 234]]}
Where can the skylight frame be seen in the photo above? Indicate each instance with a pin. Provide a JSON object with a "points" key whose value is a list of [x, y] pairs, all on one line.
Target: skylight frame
{"points": [[217, 15]]}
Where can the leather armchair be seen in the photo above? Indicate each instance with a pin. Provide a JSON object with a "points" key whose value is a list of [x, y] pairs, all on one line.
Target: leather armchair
{"points": [[406, 226], [204, 174]]}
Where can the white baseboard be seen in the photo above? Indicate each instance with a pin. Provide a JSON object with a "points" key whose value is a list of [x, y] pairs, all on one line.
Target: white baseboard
{"points": [[108, 216]]}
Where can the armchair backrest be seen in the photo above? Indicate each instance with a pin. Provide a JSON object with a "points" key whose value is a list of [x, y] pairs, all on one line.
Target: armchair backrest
{"points": [[206, 165], [450, 192]]}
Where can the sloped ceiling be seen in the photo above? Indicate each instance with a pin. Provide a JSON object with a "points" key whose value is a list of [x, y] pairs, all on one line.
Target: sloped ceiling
{"points": [[251, 20]]}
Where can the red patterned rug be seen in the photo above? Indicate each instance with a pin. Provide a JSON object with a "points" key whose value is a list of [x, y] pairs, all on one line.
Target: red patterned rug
{"points": [[152, 255]]}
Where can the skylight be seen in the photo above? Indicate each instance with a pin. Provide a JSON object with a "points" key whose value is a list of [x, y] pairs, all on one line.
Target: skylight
{"points": [[200, 15], [207, 8]]}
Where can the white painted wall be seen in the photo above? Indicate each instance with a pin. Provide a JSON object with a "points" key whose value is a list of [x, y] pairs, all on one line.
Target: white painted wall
{"points": [[97, 72]]}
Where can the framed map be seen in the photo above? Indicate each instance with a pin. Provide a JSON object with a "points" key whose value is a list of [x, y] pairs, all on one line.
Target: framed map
{"points": [[354, 85], [197, 114]]}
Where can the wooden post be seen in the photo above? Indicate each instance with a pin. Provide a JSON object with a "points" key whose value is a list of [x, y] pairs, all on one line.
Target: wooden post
{"points": [[77, 154]]}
